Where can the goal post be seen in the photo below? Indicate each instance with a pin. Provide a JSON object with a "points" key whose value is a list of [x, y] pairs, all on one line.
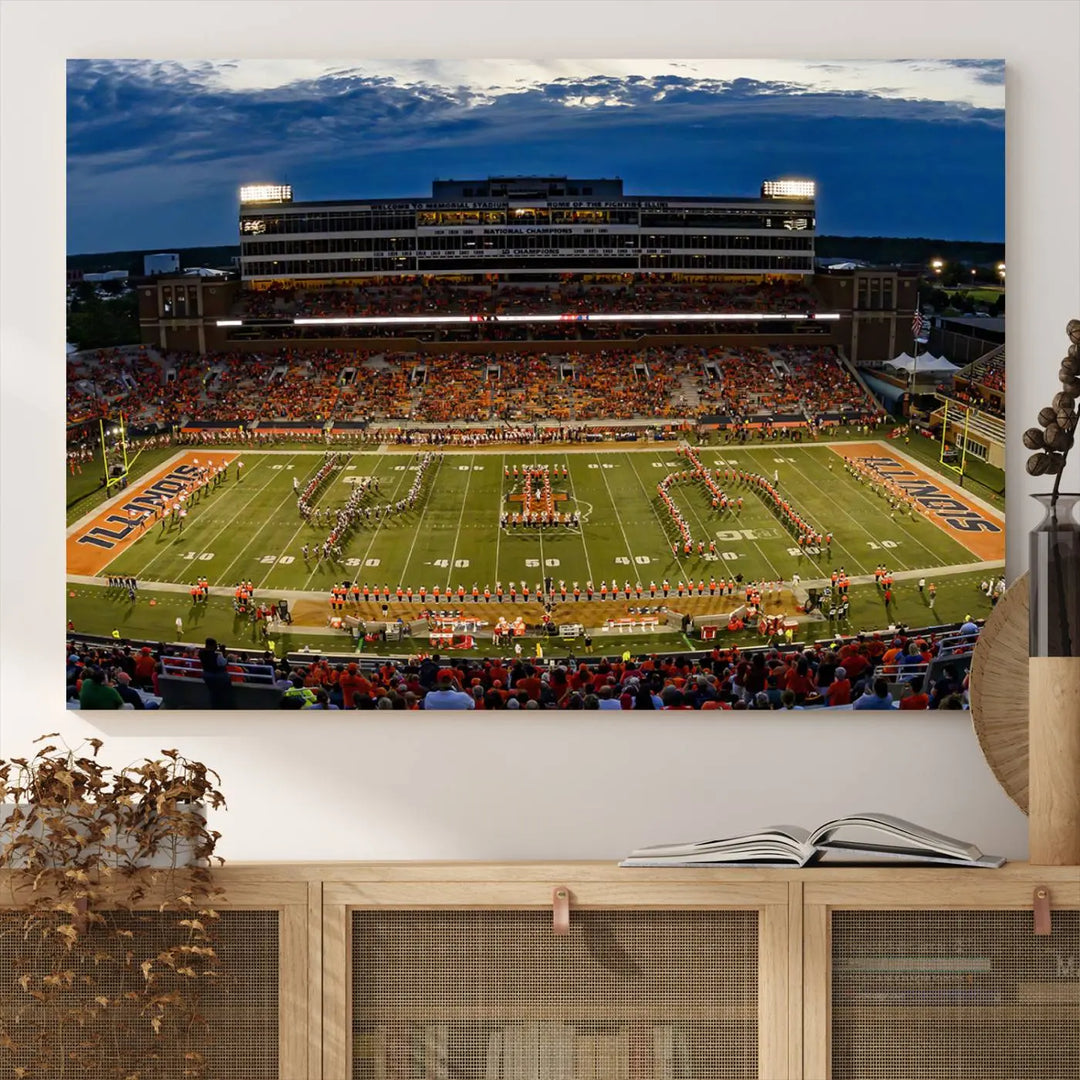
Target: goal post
{"points": [[115, 461], [960, 466]]}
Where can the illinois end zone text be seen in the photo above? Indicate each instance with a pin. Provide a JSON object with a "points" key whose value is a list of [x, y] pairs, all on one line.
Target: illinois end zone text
{"points": [[952, 510], [95, 542]]}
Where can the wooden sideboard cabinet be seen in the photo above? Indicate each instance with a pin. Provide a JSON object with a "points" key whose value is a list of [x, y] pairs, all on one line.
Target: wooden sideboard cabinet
{"points": [[455, 971], [920, 975]]}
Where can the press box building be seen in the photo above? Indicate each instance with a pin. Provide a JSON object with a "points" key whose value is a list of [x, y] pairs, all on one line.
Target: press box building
{"points": [[530, 229]]}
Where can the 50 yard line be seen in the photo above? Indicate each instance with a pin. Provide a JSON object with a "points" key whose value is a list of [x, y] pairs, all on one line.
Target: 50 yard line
{"points": [[499, 528]]}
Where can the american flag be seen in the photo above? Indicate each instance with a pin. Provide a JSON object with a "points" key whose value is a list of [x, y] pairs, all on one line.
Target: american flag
{"points": [[917, 323]]}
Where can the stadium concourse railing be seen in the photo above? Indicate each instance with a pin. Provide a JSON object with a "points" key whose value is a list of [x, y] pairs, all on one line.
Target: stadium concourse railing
{"points": [[180, 680]]}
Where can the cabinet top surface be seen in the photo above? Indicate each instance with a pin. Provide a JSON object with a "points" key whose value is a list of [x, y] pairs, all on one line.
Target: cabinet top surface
{"points": [[610, 872]]}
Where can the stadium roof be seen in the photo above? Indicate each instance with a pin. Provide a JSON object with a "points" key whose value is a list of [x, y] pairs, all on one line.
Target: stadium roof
{"points": [[977, 322]]}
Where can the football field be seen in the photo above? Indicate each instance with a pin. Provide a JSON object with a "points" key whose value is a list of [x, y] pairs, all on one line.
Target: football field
{"points": [[250, 529]]}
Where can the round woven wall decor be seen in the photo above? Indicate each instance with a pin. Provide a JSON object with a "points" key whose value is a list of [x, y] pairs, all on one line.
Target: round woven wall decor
{"points": [[999, 692]]}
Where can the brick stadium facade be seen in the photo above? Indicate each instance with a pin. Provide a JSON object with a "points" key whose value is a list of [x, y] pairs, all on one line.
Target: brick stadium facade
{"points": [[874, 306]]}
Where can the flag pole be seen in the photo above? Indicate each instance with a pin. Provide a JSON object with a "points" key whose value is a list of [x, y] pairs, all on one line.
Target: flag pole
{"points": [[916, 328]]}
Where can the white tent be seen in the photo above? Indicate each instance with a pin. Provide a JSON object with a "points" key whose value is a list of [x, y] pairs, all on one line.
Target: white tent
{"points": [[924, 363], [902, 363]]}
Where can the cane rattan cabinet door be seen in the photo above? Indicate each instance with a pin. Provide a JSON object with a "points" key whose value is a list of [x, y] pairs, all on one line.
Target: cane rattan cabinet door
{"points": [[968, 995], [495, 995], [924, 975], [233, 1027]]}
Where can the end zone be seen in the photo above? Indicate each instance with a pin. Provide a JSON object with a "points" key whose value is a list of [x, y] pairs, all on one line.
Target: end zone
{"points": [[969, 521], [96, 540]]}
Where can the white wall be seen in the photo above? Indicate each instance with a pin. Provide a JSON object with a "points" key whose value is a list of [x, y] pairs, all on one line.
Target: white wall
{"points": [[557, 786]]}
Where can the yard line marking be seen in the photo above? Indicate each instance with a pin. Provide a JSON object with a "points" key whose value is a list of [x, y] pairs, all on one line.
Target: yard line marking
{"points": [[461, 516], [837, 546], [382, 521], [618, 516], [207, 543], [423, 514], [304, 522], [581, 524], [894, 558], [656, 514], [319, 562], [269, 518], [813, 558], [937, 560], [502, 501], [701, 522], [207, 547]]}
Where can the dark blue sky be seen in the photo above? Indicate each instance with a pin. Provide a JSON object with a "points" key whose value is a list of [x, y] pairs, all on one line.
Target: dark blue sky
{"points": [[157, 150]]}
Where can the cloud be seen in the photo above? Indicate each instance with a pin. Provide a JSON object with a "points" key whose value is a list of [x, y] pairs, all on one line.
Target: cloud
{"points": [[154, 133]]}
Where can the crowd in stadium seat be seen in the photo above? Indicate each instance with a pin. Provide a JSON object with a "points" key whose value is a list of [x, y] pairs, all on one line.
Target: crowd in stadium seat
{"points": [[425, 296], [859, 672], [523, 386]]}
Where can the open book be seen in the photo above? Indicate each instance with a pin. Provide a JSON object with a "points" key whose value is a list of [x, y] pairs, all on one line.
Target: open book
{"points": [[857, 839]]}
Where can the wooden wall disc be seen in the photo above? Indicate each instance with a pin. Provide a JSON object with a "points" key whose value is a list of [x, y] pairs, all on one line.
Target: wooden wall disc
{"points": [[999, 692]]}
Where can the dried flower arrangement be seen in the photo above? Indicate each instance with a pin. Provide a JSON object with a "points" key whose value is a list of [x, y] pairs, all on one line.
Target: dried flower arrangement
{"points": [[1055, 554], [1053, 439], [107, 917]]}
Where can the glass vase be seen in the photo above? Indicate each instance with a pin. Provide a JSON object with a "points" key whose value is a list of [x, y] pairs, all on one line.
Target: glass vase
{"points": [[1054, 589]]}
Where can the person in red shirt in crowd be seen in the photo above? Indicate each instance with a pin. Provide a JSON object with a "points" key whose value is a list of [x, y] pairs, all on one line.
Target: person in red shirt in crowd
{"points": [[916, 699], [799, 681], [875, 648], [145, 669], [856, 661], [530, 684], [839, 692], [352, 682]]}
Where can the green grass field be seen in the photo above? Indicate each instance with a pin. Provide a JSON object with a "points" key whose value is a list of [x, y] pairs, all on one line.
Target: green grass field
{"points": [[97, 610], [252, 530]]}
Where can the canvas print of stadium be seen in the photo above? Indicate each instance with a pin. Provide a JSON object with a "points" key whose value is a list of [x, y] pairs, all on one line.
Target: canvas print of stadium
{"points": [[666, 401]]}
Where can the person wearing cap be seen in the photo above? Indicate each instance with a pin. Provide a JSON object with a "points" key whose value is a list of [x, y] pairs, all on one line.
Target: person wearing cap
{"points": [[130, 695], [145, 667], [352, 682]]}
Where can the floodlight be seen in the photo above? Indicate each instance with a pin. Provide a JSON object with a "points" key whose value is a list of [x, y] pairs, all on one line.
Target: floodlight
{"points": [[265, 193]]}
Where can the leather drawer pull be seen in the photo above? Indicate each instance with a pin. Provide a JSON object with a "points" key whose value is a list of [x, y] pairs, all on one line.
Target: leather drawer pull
{"points": [[560, 901], [1041, 908]]}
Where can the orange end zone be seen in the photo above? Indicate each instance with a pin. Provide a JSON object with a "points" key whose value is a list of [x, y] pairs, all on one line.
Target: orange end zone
{"points": [[95, 542], [970, 524]]}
